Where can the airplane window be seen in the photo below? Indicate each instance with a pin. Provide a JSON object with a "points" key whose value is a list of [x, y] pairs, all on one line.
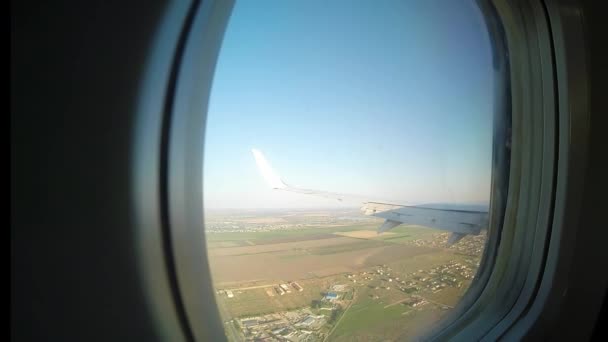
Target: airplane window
{"points": [[348, 167]]}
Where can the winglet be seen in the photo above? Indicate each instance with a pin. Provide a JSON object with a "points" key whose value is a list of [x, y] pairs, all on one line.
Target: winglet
{"points": [[271, 177]]}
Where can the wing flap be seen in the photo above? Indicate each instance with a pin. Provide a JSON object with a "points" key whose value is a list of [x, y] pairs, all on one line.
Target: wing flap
{"points": [[388, 225], [458, 221], [455, 237]]}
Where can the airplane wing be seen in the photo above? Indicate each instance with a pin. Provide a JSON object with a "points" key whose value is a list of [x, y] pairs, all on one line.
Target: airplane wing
{"points": [[273, 179], [459, 222]]}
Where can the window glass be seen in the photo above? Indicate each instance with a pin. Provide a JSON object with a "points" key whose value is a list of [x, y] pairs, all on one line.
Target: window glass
{"points": [[364, 116]]}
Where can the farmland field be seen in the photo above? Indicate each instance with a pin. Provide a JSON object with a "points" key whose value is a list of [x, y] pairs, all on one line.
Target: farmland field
{"points": [[379, 277], [302, 258]]}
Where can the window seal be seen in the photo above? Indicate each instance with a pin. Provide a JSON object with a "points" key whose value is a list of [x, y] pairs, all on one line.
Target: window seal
{"points": [[541, 182], [501, 158], [167, 169], [185, 168]]}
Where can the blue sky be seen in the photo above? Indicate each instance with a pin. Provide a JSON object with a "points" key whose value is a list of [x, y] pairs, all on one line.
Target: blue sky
{"points": [[387, 99]]}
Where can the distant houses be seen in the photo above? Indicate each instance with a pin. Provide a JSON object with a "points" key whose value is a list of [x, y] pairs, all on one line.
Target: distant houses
{"points": [[297, 286], [282, 289], [271, 291], [285, 288]]}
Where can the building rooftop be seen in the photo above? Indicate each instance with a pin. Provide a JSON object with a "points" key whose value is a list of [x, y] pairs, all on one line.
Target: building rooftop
{"points": [[331, 295]]}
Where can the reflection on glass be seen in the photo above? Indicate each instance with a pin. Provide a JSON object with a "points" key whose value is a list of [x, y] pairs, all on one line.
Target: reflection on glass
{"points": [[361, 213]]}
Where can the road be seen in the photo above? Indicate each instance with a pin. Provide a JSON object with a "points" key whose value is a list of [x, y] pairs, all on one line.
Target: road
{"points": [[436, 303], [342, 316], [253, 287], [232, 332], [397, 302]]}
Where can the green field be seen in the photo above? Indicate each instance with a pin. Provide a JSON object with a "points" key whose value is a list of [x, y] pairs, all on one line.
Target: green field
{"points": [[256, 301], [380, 318], [282, 234], [370, 320], [366, 314], [407, 233], [364, 244], [398, 235]]}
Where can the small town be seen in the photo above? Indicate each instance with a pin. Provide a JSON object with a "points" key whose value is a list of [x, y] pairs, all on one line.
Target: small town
{"points": [[314, 322], [473, 245], [297, 325]]}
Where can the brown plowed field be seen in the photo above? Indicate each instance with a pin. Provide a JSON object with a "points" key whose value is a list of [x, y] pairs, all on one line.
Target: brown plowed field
{"points": [[304, 259]]}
